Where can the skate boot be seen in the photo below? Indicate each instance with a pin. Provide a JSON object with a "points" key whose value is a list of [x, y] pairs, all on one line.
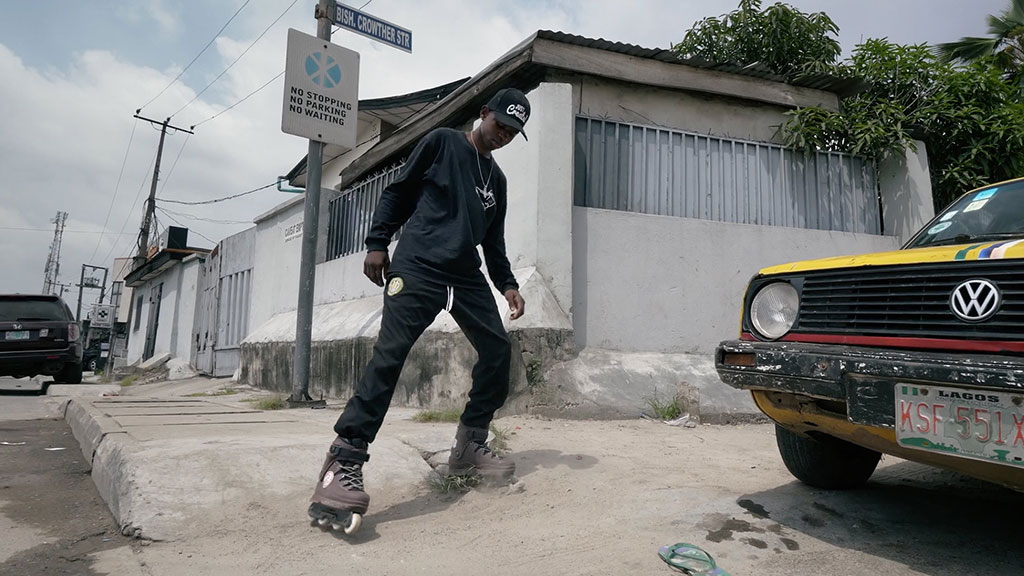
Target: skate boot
{"points": [[339, 498], [471, 455]]}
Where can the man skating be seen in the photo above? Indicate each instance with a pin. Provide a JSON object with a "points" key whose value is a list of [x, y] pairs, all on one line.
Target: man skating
{"points": [[451, 197]]}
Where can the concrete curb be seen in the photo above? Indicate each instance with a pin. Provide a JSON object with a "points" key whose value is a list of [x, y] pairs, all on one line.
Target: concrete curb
{"points": [[89, 426], [103, 443]]}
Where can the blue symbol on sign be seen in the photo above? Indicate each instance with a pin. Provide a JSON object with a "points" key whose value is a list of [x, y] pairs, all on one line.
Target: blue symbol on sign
{"points": [[323, 70]]}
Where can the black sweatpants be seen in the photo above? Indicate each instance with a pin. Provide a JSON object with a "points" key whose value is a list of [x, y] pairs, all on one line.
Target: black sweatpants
{"points": [[407, 313]]}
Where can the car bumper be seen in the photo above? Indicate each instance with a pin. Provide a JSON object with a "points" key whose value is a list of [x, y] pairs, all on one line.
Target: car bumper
{"points": [[849, 392], [862, 378], [48, 361]]}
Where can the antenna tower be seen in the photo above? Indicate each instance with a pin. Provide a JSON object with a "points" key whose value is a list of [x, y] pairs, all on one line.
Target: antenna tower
{"points": [[52, 272]]}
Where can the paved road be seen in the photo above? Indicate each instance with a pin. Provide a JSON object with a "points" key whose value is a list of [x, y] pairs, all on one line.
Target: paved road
{"points": [[51, 517]]}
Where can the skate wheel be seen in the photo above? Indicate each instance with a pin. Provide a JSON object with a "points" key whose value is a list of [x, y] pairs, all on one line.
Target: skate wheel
{"points": [[354, 522], [323, 521]]}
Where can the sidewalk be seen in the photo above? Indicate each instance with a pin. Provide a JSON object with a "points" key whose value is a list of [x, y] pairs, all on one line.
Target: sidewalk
{"points": [[211, 485], [163, 454]]}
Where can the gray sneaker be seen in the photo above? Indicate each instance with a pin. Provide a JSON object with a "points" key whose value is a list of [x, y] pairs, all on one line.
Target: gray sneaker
{"points": [[471, 455]]}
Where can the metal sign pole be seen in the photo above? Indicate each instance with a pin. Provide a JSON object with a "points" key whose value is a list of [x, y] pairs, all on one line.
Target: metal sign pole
{"points": [[307, 270]]}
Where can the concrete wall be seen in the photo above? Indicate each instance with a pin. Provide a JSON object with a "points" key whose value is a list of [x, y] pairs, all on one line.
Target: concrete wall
{"points": [[237, 252], [137, 338], [538, 228], [665, 284], [275, 286], [688, 111], [905, 187], [184, 314], [165, 322]]}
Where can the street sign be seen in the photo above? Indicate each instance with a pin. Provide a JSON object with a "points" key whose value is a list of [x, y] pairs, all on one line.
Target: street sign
{"points": [[102, 316], [321, 91], [372, 27]]}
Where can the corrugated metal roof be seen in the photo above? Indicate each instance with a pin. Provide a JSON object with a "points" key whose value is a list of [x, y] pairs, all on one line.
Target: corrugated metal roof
{"points": [[827, 82]]}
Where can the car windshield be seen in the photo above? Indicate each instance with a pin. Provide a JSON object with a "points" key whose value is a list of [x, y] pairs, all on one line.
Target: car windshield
{"points": [[988, 214], [20, 309]]}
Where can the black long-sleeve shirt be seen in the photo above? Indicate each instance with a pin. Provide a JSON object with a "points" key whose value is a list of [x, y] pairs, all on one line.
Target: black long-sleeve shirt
{"points": [[439, 195]]}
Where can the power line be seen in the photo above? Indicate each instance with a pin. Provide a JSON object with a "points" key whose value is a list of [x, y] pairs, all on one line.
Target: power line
{"points": [[176, 221], [201, 219], [208, 44], [116, 188], [215, 200], [267, 83], [50, 230], [130, 210], [240, 101], [236, 59], [176, 158]]}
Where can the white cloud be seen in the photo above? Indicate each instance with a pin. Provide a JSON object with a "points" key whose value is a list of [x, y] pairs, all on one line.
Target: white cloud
{"points": [[164, 17]]}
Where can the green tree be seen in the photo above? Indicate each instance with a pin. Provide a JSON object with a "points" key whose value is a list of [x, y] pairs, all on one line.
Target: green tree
{"points": [[970, 119], [1005, 45], [780, 38]]}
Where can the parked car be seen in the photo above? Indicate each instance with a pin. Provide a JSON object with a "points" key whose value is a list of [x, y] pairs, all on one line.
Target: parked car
{"points": [[39, 335], [94, 357], [917, 353]]}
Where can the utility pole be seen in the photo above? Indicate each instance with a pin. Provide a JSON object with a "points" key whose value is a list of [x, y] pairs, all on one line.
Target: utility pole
{"points": [[307, 267], [52, 271], [147, 218], [93, 283]]}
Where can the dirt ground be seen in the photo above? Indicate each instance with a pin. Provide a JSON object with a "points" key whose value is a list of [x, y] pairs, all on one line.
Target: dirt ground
{"points": [[601, 498], [51, 516]]}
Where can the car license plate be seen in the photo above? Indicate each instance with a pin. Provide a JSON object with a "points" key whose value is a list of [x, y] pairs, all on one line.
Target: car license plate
{"points": [[16, 335], [977, 424]]}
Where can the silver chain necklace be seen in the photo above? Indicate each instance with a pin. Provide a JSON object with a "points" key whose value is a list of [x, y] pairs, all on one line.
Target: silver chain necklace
{"points": [[479, 168]]}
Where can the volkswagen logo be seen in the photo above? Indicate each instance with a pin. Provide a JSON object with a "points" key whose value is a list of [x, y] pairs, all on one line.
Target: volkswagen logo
{"points": [[974, 300]]}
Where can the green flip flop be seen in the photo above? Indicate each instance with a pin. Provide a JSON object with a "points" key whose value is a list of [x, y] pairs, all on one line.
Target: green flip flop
{"points": [[690, 560]]}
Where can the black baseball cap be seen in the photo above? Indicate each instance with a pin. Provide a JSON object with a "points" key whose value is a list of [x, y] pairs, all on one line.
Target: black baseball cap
{"points": [[511, 108]]}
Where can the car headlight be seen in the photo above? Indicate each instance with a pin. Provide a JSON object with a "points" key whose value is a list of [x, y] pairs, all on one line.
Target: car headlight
{"points": [[774, 308]]}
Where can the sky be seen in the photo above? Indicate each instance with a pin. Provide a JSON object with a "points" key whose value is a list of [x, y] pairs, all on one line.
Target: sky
{"points": [[72, 83]]}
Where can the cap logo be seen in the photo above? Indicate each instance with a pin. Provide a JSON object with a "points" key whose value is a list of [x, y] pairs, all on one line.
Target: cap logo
{"points": [[517, 110]]}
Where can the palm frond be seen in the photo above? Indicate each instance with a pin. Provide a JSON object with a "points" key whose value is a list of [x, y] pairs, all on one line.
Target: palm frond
{"points": [[1003, 26], [966, 49], [1015, 13]]}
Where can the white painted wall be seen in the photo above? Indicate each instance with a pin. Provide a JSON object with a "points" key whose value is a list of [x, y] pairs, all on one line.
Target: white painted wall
{"points": [[538, 226], [906, 190], [665, 284], [185, 315], [275, 285], [165, 322], [137, 338]]}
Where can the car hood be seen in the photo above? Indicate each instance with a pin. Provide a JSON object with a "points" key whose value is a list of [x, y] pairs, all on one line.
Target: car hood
{"points": [[1003, 249]]}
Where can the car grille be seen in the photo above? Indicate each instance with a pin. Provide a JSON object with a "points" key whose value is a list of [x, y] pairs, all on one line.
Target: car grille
{"points": [[910, 301]]}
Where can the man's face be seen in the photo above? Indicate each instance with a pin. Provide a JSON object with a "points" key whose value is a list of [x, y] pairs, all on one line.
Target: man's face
{"points": [[494, 133]]}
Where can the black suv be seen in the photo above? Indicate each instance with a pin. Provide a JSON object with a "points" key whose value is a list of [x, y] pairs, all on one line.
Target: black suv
{"points": [[39, 335]]}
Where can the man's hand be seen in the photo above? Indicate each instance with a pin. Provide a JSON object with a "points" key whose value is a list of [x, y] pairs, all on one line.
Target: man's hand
{"points": [[515, 303], [376, 266]]}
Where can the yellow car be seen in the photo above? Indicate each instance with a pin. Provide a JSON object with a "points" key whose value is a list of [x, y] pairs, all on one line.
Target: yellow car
{"points": [[917, 353]]}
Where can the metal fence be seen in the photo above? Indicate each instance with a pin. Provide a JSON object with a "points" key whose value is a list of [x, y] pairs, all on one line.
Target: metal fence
{"points": [[351, 213], [235, 295], [654, 170]]}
